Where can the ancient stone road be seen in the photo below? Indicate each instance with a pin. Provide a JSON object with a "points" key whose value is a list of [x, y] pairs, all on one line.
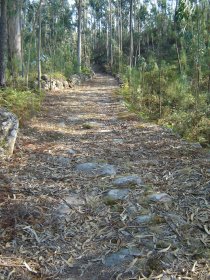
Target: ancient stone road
{"points": [[100, 194]]}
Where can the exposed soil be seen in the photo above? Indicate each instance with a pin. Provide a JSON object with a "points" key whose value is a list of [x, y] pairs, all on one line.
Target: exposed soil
{"points": [[54, 220]]}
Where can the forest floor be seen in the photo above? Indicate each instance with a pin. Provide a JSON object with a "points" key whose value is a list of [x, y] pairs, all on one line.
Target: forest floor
{"points": [[140, 208]]}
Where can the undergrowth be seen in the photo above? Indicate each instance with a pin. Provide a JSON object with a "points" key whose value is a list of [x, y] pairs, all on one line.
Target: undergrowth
{"points": [[24, 103], [161, 95]]}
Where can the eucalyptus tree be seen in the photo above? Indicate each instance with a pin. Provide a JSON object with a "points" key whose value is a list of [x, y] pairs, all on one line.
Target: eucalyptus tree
{"points": [[39, 69], [56, 32], [79, 34], [3, 36], [131, 34], [14, 37]]}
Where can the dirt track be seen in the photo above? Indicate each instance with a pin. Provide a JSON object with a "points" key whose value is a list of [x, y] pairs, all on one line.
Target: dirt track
{"points": [[56, 222]]}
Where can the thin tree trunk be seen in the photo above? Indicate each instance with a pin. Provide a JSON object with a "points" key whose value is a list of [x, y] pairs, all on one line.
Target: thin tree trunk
{"points": [[22, 22], [121, 27], [131, 35], [176, 36], [139, 39], [178, 58], [198, 54], [30, 43], [79, 38], [3, 41], [107, 43], [39, 49], [110, 34], [85, 40], [160, 94], [119, 32]]}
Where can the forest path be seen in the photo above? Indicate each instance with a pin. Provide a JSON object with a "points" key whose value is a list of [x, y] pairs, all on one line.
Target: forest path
{"points": [[71, 221]]}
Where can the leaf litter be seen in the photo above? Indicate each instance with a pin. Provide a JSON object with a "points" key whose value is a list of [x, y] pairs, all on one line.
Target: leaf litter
{"points": [[40, 241]]}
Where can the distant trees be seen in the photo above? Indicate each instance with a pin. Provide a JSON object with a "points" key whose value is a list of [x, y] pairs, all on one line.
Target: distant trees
{"points": [[161, 48], [119, 33]]}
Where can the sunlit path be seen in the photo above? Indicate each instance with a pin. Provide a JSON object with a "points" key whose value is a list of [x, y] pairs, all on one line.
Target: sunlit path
{"points": [[95, 193]]}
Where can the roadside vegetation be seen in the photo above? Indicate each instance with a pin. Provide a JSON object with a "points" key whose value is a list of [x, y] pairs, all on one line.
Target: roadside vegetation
{"points": [[164, 97]]}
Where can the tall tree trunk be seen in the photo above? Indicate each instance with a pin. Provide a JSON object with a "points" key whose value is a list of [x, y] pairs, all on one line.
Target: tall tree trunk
{"points": [[121, 27], [110, 33], [176, 39], [79, 38], [31, 40], [3, 41], [39, 48], [85, 51], [14, 38], [119, 33], [178, 57], [131, 34], [107, 42], [139, 39]]}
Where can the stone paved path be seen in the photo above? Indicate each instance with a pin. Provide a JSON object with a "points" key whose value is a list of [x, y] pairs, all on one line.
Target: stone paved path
{"points": [[95, 193]]}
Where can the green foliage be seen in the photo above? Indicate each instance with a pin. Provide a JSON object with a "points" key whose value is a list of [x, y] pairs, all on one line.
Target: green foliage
{"points": [[21, 102], [57, 75], [160, 94], [69, 69], [86, 70]]}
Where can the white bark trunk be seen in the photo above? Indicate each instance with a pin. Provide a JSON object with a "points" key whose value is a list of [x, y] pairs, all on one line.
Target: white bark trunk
{"points": [[14, 38], [79, 38]]}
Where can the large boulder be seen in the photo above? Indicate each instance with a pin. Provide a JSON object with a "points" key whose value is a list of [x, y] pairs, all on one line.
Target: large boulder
{"points": [[125, 181], [8, 132], [59, 84], [65, 84], [52, 84], [75, 79], [44, 85], [48, 83]]}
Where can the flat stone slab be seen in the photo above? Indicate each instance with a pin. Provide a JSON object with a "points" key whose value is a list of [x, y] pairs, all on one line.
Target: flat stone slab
{"points": [[121, 256], [63, 161], [70, 200], [118, 141], [144, 219], [160, 197], [101, 169], [116, 195], [71, 152], [131, 180]]}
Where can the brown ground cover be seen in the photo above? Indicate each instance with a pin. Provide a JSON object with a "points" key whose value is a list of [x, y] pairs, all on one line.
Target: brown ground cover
{"points": [[56, 222]]}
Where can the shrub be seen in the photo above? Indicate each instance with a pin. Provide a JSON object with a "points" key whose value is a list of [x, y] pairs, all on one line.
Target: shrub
{"points": [[164, 96], [23, 103]]}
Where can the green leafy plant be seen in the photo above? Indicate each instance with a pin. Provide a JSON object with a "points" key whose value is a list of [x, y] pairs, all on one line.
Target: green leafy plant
{"points": [[23, 103], [161, 95]]}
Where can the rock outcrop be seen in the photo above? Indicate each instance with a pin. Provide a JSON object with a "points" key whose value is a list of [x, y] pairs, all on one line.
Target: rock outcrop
{"points": [[48, 83], [8, 132]]}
